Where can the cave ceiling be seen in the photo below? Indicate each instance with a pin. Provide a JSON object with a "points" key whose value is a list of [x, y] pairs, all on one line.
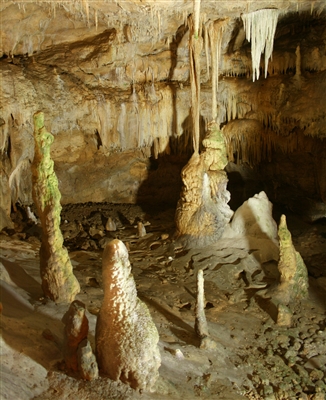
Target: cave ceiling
{"points": [[112, 77]]}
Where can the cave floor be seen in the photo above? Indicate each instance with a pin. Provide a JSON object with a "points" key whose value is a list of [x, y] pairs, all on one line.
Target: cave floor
{"points": [[250, 356]]}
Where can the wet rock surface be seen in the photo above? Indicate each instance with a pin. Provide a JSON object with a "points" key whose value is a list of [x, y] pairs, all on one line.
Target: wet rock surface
{"points": [[255, 356]]}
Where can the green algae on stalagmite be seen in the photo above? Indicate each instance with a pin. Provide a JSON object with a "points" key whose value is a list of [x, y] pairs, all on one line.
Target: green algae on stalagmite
{"points": [[58, 280]]}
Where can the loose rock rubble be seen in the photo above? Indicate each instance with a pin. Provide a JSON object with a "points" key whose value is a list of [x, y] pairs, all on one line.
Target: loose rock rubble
{"points": [[258, 355]]}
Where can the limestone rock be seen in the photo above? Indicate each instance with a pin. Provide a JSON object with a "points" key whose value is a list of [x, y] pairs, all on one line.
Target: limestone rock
{"points": [[87, 364], [202, 211], [58, 280], [126, 336], [254, 218], [75, 331]]}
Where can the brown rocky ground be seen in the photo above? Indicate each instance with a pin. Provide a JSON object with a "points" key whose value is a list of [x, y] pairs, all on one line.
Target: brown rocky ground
{"points": [[254, 358]]}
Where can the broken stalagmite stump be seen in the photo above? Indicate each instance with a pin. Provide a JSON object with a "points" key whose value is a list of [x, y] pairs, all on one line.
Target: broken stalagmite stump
{"points": [[87, 364], [126, 336], [202, 212], [58, 280], [75, 331]]}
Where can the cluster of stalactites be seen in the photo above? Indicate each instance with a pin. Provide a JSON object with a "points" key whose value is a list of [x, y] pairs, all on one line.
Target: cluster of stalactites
{"points": [[252, 143], [260, 29]]}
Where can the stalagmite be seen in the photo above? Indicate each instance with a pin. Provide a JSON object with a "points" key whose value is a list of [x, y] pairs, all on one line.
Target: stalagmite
{"points": [[141, 229], [202, 211], [126, 337], [87, 364], [110, 225], [293, 272], [260, 27], [58, 280], [200, 321], [76, 330]]}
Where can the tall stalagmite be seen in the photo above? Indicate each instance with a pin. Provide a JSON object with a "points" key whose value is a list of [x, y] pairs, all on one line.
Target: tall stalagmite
{"points": [[202, 211], [126, 336], [58, 280], [293, 272]]}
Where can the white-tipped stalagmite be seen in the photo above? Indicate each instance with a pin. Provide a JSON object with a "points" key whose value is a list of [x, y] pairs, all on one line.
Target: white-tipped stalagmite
{"points": [[200, 317], [201, 327], [260, 27], [126, 336]]}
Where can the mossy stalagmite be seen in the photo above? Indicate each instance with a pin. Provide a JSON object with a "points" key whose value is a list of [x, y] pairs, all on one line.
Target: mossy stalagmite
{"points": [[58, 280], [293, 272]]}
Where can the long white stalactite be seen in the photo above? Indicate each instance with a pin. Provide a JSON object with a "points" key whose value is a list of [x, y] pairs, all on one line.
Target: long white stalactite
{"points": [[260, 27]]}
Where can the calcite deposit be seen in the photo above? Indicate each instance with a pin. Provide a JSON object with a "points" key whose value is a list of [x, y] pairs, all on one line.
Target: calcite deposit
{"points": [[203, 211], [293, 271], [58, 280], [126, 336]]}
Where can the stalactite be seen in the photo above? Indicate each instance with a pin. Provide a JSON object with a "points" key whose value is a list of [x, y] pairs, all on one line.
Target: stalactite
{"points": [[260, 29], [252, 143], [96, 20], [206, 40], [195, 47], [196, 18], [215, 32], [298, 61]]}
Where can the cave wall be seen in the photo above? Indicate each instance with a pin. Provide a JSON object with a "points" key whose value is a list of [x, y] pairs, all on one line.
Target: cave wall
{"points": [[113, 81]]}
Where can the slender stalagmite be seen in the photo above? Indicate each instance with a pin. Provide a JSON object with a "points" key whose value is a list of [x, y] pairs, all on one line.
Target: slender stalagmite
{"points": [[200, 317], [58, 280]]}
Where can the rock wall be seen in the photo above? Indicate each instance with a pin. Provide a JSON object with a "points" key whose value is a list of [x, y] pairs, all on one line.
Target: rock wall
{"points": [[113, 81]]}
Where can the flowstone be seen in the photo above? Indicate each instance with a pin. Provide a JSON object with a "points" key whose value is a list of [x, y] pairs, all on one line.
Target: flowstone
{"points": [[126, 337], [202, 211], [58, 280]]}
